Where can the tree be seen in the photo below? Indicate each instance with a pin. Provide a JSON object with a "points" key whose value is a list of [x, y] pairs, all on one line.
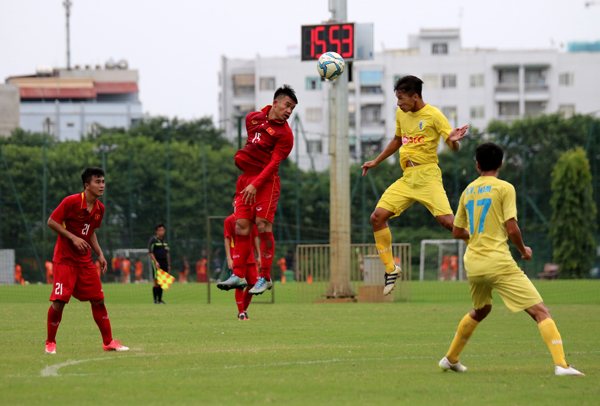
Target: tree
{"points": [[574, 213]]}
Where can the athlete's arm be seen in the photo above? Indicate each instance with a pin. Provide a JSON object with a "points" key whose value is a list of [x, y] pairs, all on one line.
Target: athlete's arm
{"points": [[96, 247], [228, 252], [456, 135], [79, 243], [460, 233], [514, 233], [281, 152], [154, 259], [392, 147]]}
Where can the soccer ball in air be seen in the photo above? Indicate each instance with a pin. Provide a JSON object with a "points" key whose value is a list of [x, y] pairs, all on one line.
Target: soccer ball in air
{"points": [[330, 65]]}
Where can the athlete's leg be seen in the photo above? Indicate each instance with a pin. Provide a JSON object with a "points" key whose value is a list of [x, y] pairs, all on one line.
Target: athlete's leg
{"points": [[383, 237], [549, 332], [54, 319], [101, 318], [465, 330], [267, 246], [243, 246]]}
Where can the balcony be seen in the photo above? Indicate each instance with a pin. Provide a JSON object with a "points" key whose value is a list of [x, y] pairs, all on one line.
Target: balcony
{"points": [[507, 88]]}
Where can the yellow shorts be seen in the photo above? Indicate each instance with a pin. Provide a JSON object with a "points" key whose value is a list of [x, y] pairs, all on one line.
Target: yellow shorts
{"points": [[515, 289], [421, 184]]}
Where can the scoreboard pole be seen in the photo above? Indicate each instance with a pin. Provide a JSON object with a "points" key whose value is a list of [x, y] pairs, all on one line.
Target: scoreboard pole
{"points": [[339, 223]]}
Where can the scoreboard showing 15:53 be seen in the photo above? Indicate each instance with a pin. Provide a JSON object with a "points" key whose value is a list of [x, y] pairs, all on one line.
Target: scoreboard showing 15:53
{"points": [[318, 39]]}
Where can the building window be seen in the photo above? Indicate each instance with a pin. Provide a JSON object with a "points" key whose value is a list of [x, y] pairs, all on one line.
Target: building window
{"points": [[313, 83], [448, 81], [508, 109], [70, 124], [314, 114], [535, 108], [441, 48], [267, 83], [314, 147], [430, 81], [568, 110], [243, 84], [477, 80], [371, 90], [566, 79], [371, 114], [477, 111], [508, 80], [450, 113], [535, 79]]}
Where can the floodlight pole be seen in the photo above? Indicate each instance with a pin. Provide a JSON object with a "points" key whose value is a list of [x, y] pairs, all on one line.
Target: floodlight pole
{"points": [[68, 4], [339, 223]]}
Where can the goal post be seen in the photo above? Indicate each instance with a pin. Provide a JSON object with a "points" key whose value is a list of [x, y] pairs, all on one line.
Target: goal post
{"points": [[442, 260]]}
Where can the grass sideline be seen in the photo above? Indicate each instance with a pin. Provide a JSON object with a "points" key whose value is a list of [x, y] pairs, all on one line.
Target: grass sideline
{"points": [[296, 354]]}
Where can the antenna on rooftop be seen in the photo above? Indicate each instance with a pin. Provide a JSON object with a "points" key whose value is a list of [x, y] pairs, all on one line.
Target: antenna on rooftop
{"points": [[68, 4]]}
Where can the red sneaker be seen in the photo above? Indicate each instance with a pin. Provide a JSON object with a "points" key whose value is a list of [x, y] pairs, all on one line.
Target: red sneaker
{"points": [[51, 348], [115, 346]]}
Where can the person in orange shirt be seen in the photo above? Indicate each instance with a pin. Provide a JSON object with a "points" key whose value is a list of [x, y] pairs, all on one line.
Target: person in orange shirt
{"points": [[19, 275], [281, 263], [98, 267], [139, 267], [201, 270], [126, 267], [184, 269], [49, 272], [454, 266]]}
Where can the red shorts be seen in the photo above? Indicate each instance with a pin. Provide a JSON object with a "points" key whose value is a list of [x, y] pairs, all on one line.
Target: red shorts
{"points": [[267, 197], [81, 281], [251, 274]]}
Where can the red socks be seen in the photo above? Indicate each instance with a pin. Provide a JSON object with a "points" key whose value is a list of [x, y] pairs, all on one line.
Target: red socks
{"points": [[54, 319], [240, 254], [267, 249], [101, 319], [243, 298]]}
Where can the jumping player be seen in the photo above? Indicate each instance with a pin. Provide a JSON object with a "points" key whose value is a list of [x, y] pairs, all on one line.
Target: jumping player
{"points": [[270, 141], [419, 127], [75, 220], [487, 214], [242, 298]]}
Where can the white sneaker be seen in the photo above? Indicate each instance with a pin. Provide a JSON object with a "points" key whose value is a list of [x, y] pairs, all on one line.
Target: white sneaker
{"points": [[390, 280], [558, 370], [446, 365]]}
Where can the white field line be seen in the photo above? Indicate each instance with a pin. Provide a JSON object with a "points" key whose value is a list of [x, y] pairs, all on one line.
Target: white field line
{"points": [[53, 369]]}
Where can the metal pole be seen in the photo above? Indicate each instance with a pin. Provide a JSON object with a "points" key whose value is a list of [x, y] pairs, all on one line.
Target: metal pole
{"points": [[297, 183], [103, 149], [44, 190], [339, 223], [239, 128], [168, 175], [68, 4]]}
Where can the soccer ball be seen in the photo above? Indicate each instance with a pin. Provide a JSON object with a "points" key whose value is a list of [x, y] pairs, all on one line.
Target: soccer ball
{"points": [[331, 65]]}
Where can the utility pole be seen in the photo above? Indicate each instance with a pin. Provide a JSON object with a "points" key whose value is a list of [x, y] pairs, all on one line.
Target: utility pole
{"points": [[68, 4], [339, 222]]}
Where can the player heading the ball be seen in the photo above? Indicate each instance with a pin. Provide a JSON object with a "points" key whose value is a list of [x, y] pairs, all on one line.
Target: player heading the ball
{"points": [[270, 141]]}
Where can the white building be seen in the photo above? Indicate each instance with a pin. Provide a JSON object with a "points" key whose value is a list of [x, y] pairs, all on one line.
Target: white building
{"points": [[470, 86], [71, 103]]}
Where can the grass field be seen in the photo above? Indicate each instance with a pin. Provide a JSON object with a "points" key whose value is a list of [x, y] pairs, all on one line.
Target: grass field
{"points": [[298, 354]]}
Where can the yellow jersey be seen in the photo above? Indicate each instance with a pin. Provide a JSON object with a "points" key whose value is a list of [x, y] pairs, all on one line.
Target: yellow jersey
{"points": [[484, 207], [420, 133]]}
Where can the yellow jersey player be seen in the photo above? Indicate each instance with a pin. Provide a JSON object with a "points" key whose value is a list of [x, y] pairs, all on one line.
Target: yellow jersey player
{"points": [[419, 127], [487, 214]]}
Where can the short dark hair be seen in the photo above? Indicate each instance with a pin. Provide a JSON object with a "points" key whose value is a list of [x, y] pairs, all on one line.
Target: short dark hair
{"points": [[410, 85], [285, 90], [489, 156], [86, 176], [159, 226]]}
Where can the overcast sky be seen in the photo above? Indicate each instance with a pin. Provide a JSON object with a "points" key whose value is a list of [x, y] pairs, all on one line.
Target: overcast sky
{"points": [[176, 45]]}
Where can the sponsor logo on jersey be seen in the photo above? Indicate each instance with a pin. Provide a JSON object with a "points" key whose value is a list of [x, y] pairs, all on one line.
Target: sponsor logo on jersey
{"points": [[404, 140], [254, 122], [422, 124], [270, 130], [412, 140]]}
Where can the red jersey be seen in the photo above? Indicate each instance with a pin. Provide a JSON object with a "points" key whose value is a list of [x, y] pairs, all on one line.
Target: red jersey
{"points": [[73, 215], [269, 143], [230, 233]]}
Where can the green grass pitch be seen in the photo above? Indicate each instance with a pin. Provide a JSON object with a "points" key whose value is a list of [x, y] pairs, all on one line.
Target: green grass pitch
{"points": [[296, 354]]}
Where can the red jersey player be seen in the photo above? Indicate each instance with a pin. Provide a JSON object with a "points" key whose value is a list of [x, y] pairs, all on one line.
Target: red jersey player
{"points": [[270, 141], [75, 220], [242, 298]]}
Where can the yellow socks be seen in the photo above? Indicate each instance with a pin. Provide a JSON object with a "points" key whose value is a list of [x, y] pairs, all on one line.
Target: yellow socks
{"points": [[465, 330], [383, 241], [552, 339]]}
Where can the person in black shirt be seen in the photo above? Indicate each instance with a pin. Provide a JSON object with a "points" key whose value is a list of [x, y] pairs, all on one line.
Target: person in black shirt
{"points": [[158, 250]]}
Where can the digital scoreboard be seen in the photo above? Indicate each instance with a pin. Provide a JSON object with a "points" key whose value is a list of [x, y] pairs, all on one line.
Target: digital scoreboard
{"points": [[321, 38]]}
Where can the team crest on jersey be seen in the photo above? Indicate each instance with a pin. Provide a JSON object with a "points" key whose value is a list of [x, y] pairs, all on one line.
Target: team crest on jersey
{"points": [[270, 130], [422, 124], [405, 140], [97, 217]]}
